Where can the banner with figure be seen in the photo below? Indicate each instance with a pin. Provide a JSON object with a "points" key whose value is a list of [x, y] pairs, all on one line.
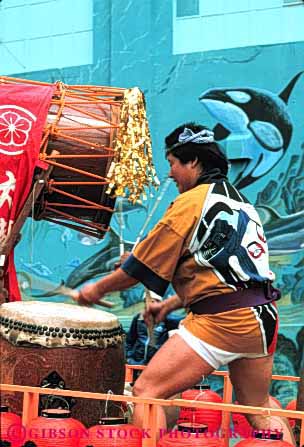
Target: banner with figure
{"points": [[23, 112]]}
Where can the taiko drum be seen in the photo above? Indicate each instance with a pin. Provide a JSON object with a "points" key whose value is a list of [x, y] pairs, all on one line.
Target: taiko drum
{"points": [[81, 347]]}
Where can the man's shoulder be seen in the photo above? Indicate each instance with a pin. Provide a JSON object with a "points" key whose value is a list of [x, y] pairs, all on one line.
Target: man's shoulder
{"points": [[193, 194]]}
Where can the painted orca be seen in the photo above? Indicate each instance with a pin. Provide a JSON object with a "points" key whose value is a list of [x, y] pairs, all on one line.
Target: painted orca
{"points": [[258, 117]]}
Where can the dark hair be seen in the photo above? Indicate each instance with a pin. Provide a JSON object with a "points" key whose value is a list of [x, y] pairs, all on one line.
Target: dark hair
{"points": [[209, 155]]}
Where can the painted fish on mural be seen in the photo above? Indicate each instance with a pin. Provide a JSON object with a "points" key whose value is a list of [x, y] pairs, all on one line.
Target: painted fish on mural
{"points": [[285, 234], [36, 267], [97, 265], [292, 284], [103, 261], [29, 281], [100, 263], [258, 120]]}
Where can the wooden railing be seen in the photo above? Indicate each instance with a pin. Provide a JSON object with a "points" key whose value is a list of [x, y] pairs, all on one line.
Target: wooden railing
{"points": [[31, 401]]}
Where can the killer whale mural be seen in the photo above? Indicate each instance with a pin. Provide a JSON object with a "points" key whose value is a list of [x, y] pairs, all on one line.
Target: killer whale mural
{"points": [[280, 205], [260, 117], [262, 120], [285, 234]]}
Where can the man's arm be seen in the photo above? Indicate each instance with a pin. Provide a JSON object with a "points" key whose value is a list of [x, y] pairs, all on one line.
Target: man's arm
{"points": [[117, 280], [174, 302], [160, 310]]}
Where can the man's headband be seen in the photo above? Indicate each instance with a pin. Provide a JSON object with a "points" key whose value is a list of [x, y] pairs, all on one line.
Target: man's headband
{"points": [[188, 136]]}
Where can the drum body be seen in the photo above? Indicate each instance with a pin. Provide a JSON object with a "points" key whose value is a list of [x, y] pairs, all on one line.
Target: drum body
{"points": [[76, 152], [82, 346], [78, 144]]}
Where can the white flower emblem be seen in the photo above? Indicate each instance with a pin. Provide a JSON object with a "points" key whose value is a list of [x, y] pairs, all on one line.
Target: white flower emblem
{"points": [[15, 125]]}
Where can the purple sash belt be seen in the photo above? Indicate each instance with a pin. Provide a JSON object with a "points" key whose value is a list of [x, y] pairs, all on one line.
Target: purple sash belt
{"points": [[236, 300]]}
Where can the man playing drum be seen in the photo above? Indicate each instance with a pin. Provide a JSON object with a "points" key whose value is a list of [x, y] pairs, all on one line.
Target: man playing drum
{"points": [[210, 244]]}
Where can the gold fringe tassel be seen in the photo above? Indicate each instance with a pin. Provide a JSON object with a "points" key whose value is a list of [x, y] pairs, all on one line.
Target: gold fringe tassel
{"points": [[132, 172]]}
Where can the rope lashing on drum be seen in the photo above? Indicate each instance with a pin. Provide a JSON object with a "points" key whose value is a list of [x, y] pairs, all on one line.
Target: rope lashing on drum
{"points": [[132, 171], [83, 123], [61, 92]]}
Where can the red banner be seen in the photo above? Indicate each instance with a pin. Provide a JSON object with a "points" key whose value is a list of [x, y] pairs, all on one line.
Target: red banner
{"points": [[23, 114]]}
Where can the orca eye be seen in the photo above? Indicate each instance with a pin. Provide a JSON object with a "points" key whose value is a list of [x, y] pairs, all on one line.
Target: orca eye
{"points": [[238, 96]]}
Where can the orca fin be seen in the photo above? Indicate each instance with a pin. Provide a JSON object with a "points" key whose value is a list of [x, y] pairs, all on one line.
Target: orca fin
{"points": [[284, 95], [220, 132]]}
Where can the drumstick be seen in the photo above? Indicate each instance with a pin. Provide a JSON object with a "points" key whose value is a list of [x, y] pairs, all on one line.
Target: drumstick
{"points": [[121, 228], [151, 321], [74, 294], [71, 293]]}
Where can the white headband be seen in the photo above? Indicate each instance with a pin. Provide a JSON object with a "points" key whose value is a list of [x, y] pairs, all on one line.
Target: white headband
{"points": [[188, 136], [204, 136]]}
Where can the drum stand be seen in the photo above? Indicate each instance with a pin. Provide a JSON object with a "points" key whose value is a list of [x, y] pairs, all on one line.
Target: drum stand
{"points": [[14, 236]]}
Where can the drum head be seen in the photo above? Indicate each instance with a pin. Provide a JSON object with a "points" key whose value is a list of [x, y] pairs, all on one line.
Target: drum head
{"points": [[58, 325]]}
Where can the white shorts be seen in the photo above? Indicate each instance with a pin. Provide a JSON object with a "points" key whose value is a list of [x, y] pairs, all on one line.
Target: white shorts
{"points": [[214, 356]]}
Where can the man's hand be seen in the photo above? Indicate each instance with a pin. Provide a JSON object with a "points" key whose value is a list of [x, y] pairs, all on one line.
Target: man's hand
{"points": [[122, 259], [94, 292], [156, 312], [88, 295]]}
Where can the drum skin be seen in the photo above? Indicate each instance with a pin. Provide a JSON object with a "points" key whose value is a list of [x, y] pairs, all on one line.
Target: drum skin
{"points": [[91, 368]]}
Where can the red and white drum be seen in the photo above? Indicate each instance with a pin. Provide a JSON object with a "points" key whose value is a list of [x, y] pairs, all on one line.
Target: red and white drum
{"points": [[81, 346]]}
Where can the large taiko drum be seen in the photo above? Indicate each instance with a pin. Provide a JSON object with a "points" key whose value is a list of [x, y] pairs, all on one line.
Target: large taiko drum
{"points": [[61, 346], [78, 143]]}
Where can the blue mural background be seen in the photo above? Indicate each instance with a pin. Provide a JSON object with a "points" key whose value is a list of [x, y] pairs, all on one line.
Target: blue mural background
{"points": [[236, 91]]}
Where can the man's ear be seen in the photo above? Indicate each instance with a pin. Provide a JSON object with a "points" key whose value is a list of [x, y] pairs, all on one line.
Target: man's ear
{"points": [[194, 162]]}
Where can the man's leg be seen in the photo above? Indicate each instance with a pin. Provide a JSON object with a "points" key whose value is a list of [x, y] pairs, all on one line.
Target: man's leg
{"points": [[251, 380], [174, 368]]}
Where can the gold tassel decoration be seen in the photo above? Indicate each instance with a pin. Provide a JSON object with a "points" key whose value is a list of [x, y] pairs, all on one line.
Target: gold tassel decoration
{"points": [[132, 172]]}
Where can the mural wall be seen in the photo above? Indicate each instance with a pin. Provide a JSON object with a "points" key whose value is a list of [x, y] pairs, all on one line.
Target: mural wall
{"points": [[251, 96]]}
